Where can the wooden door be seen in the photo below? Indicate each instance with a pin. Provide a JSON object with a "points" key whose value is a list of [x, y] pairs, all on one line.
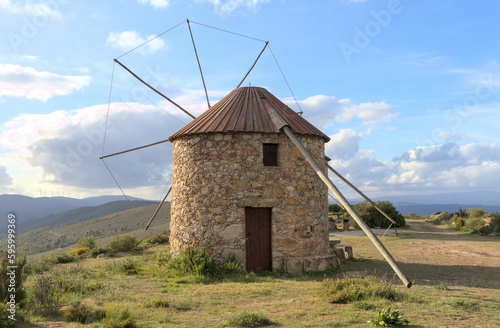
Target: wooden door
{"points": [[258, 238]]}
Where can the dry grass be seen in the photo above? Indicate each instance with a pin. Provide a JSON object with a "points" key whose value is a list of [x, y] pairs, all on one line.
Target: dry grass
{"points": [[455, 285]]}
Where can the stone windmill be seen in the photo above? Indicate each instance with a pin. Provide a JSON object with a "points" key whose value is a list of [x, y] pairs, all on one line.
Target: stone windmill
{"points": [[250, 181], [241, 187]]}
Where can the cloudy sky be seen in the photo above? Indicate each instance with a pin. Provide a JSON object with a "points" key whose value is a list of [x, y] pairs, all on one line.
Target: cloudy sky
{"points": [[408, 91]]}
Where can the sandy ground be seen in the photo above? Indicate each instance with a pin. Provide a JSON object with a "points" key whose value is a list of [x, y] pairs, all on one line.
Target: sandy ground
{"points": [[432, 254]]}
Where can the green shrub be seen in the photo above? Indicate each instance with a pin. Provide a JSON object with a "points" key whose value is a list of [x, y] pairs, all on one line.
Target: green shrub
{"points": [[129, 267], [351, 289], [194, 261], [84, 313], [374, 219], [5, 321], [118, 317], [388, 318], [248, 319], [158, 239], [334, 208], [76, 279], [64, 258], [158, 303], [474, 225], [162, 258], [458, 222], [475, 213], [44, 295], [87, 241], [17, 276], [123, 244]]}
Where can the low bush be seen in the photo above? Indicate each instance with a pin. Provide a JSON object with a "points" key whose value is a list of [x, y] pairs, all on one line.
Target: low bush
{"points": [[475, 213], [158, 303], [125, 243], [118, 317], [248, 319], [474, 225], [194, 261], [7, 277], [64, 258], [76, 279], [84, 312], [388, 318], [87, 241], [351, 289], [157, 239], [374, 219], [162, 258], [9, 319], [43, 296], [129, 267], [79, 252]]}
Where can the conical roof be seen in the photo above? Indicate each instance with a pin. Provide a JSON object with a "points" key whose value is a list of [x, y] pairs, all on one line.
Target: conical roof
{"points": [[249, 109]]}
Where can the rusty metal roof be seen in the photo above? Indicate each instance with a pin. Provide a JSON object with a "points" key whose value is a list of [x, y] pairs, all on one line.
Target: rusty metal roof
{"points": [[249, 109]]}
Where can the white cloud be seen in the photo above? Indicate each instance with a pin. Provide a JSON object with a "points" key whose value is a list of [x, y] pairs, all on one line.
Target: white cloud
{"points": [[323, 110], [32, 8], [27, 82], [128, 40], [229, 6], [438, 168], [343, 145], [5, 178], [155, 3], [448, 166], [63, 147]]}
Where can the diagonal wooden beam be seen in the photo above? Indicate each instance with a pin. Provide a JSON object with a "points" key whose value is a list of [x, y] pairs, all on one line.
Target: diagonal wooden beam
{"points": [[133, 149], [152, 88], [362, 224]]}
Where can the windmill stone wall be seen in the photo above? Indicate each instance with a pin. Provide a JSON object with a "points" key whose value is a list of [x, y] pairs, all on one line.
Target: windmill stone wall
{"points": [[216, 176]]}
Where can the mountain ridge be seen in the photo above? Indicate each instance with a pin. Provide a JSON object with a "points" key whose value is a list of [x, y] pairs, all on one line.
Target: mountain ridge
{"points": [[27, 208]]}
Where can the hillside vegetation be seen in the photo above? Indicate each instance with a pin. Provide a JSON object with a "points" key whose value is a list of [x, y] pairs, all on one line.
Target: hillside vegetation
{"points": [[64, 232], [135, 283]]}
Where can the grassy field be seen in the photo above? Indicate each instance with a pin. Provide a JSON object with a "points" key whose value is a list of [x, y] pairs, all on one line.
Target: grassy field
{"points": [[455, 275]]}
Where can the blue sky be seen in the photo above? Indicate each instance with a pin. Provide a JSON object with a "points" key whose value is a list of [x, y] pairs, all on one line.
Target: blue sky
{"points": [[408, 91]]}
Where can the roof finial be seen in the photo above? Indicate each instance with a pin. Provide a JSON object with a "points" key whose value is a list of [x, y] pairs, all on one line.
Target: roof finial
{"points": [[249, 84]]}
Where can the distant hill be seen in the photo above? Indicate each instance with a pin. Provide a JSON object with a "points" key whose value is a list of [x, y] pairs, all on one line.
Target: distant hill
{"points": [[428, 209], [27, 208], [449, 202], [61, 235], [81, 214]]}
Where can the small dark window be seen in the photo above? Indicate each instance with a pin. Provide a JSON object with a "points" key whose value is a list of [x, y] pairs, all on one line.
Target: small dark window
{"points": [[270, 154]]}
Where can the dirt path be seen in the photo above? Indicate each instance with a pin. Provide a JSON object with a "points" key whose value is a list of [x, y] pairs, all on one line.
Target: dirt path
{"points": [[431, 254]]}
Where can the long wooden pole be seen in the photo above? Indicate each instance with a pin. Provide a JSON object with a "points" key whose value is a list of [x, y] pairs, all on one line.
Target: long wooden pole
{"points": [[152, 88], [136, 148], [158, 208], [198, 60], [385, 253], [255, 62]]}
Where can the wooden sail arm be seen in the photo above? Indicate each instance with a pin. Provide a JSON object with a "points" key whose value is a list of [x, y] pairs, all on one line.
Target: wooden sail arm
{"points": [[198, 61], [255, 62], [155, 90], [133, 149]]}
